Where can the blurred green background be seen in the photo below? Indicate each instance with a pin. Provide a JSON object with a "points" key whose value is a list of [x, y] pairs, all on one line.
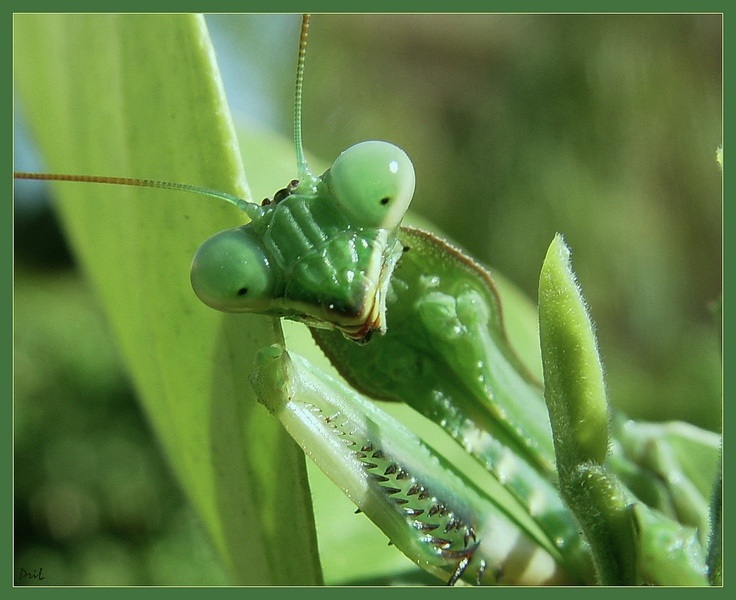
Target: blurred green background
{"points": [[602, 127]]}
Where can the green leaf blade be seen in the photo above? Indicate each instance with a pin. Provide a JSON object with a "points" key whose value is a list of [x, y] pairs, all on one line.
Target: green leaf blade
{"points": [[140, 96]]}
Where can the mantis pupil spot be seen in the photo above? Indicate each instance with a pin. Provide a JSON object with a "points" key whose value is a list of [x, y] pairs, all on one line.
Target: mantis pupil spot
{"points": [[385, 201], [242, 291]]}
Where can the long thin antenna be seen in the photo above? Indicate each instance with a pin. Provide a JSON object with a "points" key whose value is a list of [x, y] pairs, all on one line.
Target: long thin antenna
{"points": [[150, 183], [301, 161]]}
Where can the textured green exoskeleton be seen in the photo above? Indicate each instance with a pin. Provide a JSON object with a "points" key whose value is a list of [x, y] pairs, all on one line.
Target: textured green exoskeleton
{"points": [[446, 346], [322, 251], [446, 354]]}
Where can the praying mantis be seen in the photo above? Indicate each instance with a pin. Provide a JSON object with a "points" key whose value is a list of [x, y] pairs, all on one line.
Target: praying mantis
{"points": [[479, 565]]}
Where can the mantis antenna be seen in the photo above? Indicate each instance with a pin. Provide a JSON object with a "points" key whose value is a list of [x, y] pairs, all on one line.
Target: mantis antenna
{"points": [[150, 183], [300, 159]]}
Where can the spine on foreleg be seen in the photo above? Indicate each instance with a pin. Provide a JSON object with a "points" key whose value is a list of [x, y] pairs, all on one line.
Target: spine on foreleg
{"points": [[432, 515]]}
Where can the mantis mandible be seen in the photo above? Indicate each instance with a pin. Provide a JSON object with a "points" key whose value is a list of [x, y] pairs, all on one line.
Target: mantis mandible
{"points": [[504, 426]]}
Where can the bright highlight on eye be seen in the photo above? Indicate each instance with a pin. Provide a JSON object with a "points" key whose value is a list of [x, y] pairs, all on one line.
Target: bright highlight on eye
{"points": [[373, 183]]}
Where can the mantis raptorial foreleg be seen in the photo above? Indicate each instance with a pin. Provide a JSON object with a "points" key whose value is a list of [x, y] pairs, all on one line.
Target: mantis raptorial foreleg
{"points": [[428, 511]]}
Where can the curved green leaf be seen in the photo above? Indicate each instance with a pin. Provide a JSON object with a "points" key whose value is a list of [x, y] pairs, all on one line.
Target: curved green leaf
{"points": [[140, 96]]}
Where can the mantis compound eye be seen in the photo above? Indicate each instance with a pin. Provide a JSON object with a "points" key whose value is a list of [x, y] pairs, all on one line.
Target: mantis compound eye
{"points": [[231, 273], [373, 183]]}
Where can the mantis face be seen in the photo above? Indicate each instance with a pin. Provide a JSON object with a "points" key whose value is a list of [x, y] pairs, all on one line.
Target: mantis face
{"points": [[322, 252]]}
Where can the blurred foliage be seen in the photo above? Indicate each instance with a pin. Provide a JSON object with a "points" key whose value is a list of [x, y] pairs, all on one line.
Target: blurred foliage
{"points": [[602, 127], [94, 502]]}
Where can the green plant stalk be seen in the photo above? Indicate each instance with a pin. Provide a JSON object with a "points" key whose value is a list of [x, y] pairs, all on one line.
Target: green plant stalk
{"points": [[576, 400]]}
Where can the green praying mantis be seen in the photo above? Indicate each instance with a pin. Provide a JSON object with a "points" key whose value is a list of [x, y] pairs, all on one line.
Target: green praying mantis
{"points": [[437, 342]]}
